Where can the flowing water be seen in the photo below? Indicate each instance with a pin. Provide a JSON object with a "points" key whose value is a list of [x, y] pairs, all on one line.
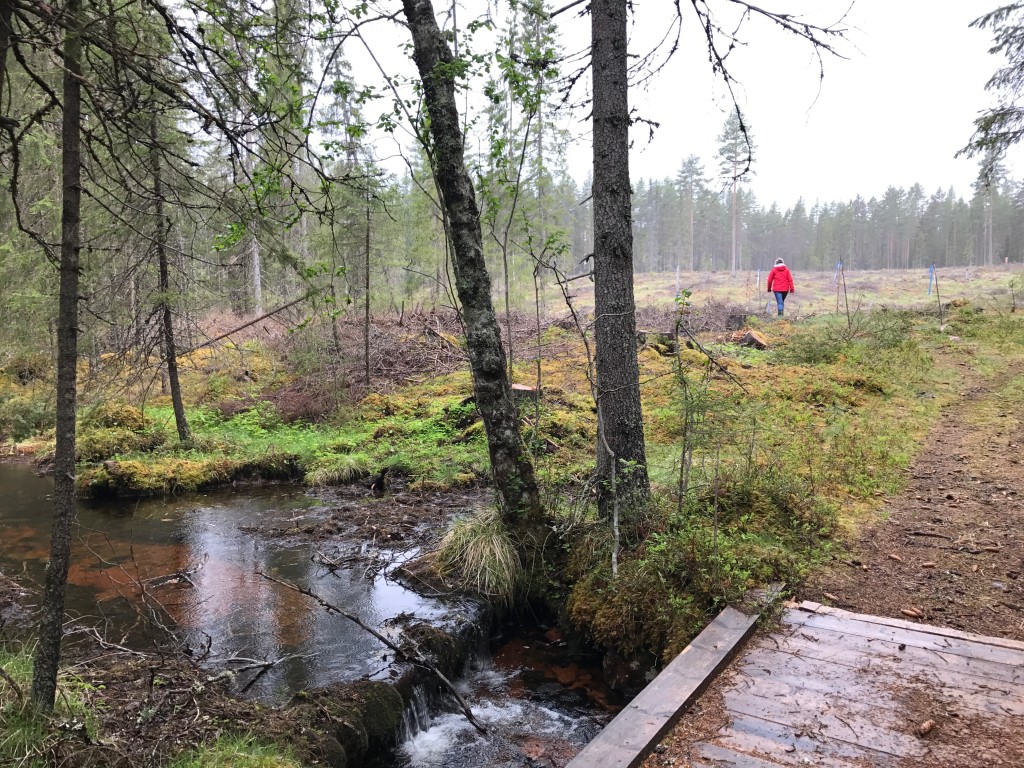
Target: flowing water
{"points": [[539, 708]]}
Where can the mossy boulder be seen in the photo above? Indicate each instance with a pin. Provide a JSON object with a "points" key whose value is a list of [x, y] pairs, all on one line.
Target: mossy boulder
{"points": [[99, 443], [474, 430], [359, 721], [114, 414], [437, 644]]}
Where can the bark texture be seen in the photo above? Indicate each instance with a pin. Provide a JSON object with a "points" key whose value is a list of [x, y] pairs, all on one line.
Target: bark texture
{"points": [[621, 458], [51, 613], [510, 464]]}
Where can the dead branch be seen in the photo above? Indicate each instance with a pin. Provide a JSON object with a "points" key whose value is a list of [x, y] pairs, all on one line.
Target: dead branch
{"points": [[243, 326], [183, 574], [262, 666], [10, 681], [412, 654]]}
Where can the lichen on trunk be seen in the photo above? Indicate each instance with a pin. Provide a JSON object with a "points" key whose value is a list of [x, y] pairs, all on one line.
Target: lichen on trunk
{"points": [[510, 464]]}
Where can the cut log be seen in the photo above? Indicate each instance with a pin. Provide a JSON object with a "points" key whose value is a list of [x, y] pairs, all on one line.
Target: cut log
{"points": [[525, 392], [749, 338]]}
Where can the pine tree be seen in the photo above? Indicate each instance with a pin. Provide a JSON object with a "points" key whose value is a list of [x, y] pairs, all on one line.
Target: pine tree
{"points": [[735, 165]]}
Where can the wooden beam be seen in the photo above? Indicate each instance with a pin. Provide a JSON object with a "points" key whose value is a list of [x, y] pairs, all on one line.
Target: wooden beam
{"points": [[637, 729]]}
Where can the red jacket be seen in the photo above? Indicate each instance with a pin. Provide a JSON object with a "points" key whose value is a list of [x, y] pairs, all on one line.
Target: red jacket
{"points": [[781, 279]]}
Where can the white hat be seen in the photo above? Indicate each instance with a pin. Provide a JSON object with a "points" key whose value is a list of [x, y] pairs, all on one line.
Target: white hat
{"points": [[779, 261]]}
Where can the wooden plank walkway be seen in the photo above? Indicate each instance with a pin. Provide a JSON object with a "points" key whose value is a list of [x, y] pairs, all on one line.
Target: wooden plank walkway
{"points": [[638, 728], [841, 690]]}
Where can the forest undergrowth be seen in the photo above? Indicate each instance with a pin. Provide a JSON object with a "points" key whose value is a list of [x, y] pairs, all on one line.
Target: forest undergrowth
{"points": [[761, 460]]}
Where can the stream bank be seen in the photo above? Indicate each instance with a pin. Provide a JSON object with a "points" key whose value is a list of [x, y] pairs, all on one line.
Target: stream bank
{"points": [[154, 577]]}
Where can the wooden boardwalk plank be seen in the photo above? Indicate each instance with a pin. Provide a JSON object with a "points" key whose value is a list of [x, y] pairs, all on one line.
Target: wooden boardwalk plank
{"points": [[865, 683], [773, 741], [852, 729], [959, 646], [836, 645], [723, 757], [635, 731], [1002, 642], [840, 690]]}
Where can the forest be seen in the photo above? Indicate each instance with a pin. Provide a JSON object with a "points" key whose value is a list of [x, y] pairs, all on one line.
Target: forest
{"points": [[361, 324]]}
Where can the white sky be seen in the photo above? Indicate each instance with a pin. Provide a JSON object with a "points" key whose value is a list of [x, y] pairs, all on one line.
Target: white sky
{"points": [[894, 112]]}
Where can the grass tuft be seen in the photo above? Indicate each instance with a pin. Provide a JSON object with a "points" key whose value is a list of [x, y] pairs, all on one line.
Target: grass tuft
{"points": [[478, 552], [338, 469], [29, 738]]}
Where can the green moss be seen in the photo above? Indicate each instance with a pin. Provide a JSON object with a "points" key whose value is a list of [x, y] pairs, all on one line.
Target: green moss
{"points": [[154, 477], [99, 443], [112, 414], [381, 707], [358, 719]]}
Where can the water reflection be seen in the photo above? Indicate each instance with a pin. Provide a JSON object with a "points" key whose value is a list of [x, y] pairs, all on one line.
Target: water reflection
{"points": [[123, 549]]}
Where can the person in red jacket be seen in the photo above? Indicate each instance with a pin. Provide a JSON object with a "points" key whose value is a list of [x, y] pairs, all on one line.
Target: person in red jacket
{"points": [[780, 282]]}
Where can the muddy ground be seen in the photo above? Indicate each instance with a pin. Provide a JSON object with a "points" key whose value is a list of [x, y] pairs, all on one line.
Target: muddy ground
{"points": [[947, 551]]}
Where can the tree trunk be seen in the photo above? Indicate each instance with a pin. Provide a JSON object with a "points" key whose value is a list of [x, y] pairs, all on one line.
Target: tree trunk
{"points": [[366, 297], [734, 183], [51, 618], [256, 272], [163, 226], [621, 458], [510, 464], [254, 257], [6, 13]]}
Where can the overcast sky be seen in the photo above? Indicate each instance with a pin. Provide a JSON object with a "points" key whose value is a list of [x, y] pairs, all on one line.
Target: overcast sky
{"points": [[893, 112]]}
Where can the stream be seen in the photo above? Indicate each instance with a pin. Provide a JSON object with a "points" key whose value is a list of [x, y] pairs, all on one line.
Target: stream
{"points": [[539, 706]]}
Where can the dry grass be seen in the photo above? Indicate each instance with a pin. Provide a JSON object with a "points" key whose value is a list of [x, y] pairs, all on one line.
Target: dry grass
{"points": [[817, 291], [478, 553]]}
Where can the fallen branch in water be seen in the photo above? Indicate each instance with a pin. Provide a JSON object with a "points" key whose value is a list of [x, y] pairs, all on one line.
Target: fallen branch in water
{"points": [[262, 666], [416, 656], [179, 576]]}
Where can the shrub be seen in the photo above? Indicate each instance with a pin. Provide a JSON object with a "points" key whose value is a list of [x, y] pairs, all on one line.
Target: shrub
{"points": [[22, 416], [26, 367]]}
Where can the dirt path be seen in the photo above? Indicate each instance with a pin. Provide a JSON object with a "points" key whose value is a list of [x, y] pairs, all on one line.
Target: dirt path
{"points": [[949, 550]]}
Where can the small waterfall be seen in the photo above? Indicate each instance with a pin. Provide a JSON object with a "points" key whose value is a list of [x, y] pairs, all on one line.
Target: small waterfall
{"points": [[416, 717], [530, 719]]}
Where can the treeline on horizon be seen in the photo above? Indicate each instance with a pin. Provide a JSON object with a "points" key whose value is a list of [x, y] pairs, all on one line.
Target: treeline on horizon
{"points": [[900, 229]]}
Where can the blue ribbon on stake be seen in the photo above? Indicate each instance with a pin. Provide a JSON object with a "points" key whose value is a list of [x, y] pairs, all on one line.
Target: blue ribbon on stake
{"points": [[835, 277], [931, 278]]}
